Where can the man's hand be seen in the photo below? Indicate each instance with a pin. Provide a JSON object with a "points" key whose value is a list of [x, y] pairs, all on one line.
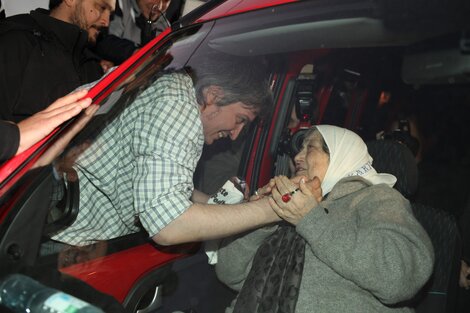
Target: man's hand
{"points": [[263, 191], [106, 65]]}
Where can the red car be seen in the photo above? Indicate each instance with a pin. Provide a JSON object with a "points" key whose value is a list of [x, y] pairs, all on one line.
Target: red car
{"points": [[354, 63]]}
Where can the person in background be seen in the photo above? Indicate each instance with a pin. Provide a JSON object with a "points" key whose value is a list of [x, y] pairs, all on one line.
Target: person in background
{"points": [[2, 10], [45, 55], [349, 241], [16, 138], [134, 24]]}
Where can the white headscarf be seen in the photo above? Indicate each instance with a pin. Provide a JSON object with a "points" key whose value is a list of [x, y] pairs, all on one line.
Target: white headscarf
{"points": [[348, 157]]}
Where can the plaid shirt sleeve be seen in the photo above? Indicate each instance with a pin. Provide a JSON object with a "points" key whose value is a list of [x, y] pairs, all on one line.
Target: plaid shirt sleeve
{"points": [[167, 144], [141, 164]]}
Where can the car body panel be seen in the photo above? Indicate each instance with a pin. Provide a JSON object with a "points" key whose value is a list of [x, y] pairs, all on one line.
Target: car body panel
{"points": [[122, 269]]}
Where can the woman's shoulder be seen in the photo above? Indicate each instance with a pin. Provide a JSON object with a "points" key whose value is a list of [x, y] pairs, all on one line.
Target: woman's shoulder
{"points": [[359, 188]]}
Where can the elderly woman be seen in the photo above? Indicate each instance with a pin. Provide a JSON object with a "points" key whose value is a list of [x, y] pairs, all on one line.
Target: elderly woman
{"points": [[348, 243]]}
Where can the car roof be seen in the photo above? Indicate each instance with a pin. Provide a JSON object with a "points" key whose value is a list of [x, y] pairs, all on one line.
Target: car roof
{"points": [[231, 7]]}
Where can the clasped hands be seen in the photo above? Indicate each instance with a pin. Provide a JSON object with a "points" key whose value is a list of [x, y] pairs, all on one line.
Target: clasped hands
{"points": [[300, 196]]}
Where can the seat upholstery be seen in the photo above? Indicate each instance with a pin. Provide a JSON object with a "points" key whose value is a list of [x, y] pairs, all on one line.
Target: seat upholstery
{"points": [[392, 157], [439, 295]]}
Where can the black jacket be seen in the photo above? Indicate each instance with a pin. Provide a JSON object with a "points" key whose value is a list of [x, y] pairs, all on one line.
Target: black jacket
{"points": [[42, 59], [2, 10], [9, 140]]}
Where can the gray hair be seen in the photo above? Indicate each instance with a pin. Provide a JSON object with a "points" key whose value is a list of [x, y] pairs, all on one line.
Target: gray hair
{"points": [[242, 80]]}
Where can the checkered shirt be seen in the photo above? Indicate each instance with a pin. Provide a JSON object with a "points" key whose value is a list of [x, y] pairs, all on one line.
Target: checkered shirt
{"points": [[141, 165]]}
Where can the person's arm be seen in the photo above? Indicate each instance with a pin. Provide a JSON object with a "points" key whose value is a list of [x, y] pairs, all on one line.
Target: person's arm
{"points": [[205, 222], [42, 123], [372, 240], [9, 140], [29, 131], [167, 144]]}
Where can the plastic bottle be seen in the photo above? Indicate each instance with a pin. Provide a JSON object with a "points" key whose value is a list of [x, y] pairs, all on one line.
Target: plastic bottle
{"points": [[21, 293]]}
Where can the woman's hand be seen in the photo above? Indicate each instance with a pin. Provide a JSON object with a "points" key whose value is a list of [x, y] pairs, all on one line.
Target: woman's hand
{"points": [[263, 191], [302, 201]]}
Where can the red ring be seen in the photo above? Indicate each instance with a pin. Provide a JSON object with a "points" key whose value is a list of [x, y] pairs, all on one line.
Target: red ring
{"points": [[286, 197]]}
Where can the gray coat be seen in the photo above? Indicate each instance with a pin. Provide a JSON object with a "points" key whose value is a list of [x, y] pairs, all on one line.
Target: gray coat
{"points": [[365, 251]]}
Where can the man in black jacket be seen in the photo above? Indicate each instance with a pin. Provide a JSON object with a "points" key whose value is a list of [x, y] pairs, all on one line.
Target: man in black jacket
{"points": [[44, 54]]}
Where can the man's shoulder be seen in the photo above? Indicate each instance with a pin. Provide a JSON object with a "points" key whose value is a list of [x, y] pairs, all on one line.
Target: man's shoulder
{"points": [[19, 33], [179, 78], [18, 22], [21, 26]]}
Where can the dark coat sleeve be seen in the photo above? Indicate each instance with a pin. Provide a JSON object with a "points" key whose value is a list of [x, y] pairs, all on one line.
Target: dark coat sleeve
{"points": [[9, 140], [464, 222], [115, 49], [15, 50]]}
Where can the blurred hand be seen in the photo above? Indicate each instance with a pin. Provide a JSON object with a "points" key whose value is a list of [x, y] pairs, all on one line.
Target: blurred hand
{"points": [[106, 65], [302, 201], [73, 255], [39, 125], [464, 282]]}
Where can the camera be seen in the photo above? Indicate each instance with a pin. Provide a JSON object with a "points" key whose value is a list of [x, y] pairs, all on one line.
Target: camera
{"points": [[291, 144]]}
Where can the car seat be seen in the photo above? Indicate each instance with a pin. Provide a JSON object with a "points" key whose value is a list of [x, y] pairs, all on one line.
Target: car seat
{"points": [[392, 157], [439, 295]]}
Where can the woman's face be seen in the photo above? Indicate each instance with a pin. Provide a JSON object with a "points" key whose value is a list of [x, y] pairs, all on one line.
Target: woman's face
{"points": [[312, 161]]}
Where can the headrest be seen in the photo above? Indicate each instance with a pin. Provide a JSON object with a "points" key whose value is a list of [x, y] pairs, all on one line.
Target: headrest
{"points": [[392, 157]]}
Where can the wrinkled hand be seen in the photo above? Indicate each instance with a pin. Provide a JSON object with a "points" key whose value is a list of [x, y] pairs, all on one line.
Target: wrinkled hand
{"points": [[263, 191], [301, 203], [464, 282]]}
